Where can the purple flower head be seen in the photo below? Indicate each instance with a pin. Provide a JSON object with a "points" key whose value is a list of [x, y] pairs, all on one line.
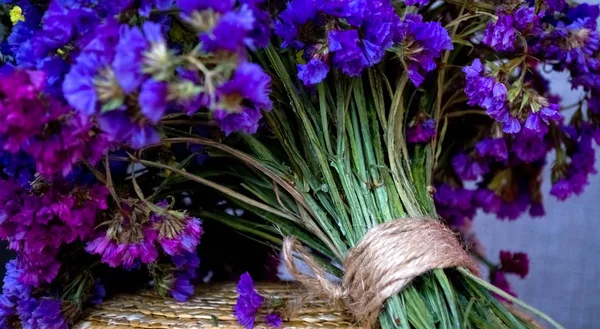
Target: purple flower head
{"points": [[230, 32], [190, 7], [13, 288], [529, 146], [524, 17], [7, 312], [425, 42], [74, 139], [455, 205], [273, 320], [36, 226], [487, 200], [517, 263], [498, 279], [297, 13], [485, 91], [186, 266], [48, 314], [313, 72], [98, 293], [242, 98], [119, 126], [176, 242], [22, 111], [248, 303], [146, 6], [83, 85], [421, 132], [468, 167], [346, 51], [539, 121], [416, 2], [359, 42], [153, 99], [493, 147], [131, 51], [132, 240]]}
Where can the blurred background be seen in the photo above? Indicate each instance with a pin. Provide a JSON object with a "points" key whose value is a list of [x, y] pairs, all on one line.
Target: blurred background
{"points": [[563, 246]]}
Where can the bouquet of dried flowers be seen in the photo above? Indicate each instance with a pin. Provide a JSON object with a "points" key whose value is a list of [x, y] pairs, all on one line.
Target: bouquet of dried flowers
{"points": [[360, 131]]}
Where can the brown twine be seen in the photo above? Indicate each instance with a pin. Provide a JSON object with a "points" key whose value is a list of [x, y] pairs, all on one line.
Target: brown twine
{"points": [[383, 263]]}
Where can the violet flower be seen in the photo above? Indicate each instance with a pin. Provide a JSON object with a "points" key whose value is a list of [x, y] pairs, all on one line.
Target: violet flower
{"points": [[517, 263], [248, 303]]}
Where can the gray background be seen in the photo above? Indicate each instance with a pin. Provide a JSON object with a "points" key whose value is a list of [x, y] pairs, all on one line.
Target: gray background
{"points": [[563, 246]]}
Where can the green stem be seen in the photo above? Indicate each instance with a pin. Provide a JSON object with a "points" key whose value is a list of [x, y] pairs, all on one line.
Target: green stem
{"points": [[509, 297]]}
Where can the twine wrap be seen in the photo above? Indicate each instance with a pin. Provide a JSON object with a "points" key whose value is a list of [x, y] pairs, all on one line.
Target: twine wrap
{"points": [[385, 261]]}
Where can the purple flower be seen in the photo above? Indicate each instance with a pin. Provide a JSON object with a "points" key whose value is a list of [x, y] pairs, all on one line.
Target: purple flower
{"points": [[153, 99], [13, 288], [529, 146], [248, 303], [119, 126], [313, 72], [176, 242], [487, 200], [273, 320], [74, 140], [364, 32], [132, 239], [188, 7], [186, 266], [242, 98], [498, 279], [469, 168], [230, 32], [297, 13], [124, 254], [416, 2], [562, 189], [36, 226], [48, 314], [501, 34], [92, 67], [98, 293], [539, 121], [346, 51], [130, 54], [425, 42], [517, 263], [22, 113], [421, 132], [490, 94], [7, 312], [454, 204], [493, 147]]}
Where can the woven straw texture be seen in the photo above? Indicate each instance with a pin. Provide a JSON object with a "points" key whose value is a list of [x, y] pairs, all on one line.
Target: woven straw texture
{"points": [[211, 307]]}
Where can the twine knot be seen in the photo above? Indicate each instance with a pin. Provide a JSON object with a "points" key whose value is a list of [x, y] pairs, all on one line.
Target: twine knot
{"points": [[383, 263]]}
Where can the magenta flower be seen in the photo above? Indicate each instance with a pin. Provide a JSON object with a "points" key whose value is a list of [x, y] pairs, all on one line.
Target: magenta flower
{"points": [[517, 263]]}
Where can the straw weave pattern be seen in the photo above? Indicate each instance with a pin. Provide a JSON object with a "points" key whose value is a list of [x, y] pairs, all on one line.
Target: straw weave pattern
{"points": [[210, 307]]}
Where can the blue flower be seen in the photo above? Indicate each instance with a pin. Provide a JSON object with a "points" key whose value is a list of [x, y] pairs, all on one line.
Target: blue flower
{"points": [[313, 72], [274, 320], [230, 32], [248, 303], [128, 58], [424, 41], [242, 98], [501, 34], [13, 287], [153, 99]]}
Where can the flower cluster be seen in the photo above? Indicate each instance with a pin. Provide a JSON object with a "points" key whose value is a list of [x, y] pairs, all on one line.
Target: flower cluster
{"points": [[136, 232], [248, 304]]}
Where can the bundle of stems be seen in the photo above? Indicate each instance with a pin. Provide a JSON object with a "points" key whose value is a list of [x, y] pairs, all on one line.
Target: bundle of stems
{"points": [[336, 165]]}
